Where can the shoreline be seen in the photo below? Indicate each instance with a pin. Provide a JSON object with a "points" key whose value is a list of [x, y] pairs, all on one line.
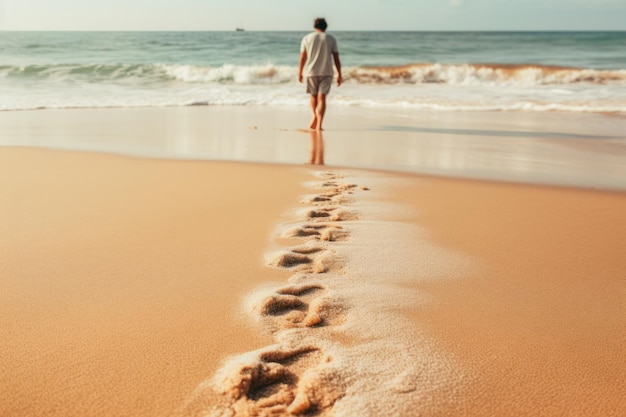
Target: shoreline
{"points": [[581, 150]]}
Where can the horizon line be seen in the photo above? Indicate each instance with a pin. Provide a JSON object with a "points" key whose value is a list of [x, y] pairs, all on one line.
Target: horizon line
{"points": [[307, 30]]}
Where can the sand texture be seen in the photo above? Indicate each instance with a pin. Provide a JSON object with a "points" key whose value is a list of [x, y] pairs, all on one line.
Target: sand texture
{"points": [[540, 321], [122, 279], [389, 318], [170, 288], [340, 346]]}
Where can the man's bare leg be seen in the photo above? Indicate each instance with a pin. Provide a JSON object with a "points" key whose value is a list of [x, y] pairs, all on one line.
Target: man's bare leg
{"points": [[320, 110], [313, 124]]}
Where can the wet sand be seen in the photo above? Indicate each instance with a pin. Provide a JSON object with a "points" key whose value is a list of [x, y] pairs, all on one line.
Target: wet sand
{"points": [[571, 149]]}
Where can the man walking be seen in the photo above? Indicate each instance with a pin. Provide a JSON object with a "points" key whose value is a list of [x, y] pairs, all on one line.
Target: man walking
{"points": [[318, 51]]}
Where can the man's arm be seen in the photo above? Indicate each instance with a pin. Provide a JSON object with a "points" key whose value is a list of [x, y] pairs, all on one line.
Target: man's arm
{"points": [[338, 66], [303, 57]]}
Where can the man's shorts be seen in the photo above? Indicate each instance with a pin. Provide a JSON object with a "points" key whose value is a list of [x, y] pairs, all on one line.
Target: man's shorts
{"points": [[318, 84]]}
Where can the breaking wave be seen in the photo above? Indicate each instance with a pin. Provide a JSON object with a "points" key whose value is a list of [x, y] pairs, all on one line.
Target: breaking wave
{"points": [[441, 87], [237, 74], [80, 72], [421, 73], [475, 74]]}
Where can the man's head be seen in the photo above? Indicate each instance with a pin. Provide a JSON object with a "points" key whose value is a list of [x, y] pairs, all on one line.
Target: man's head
{"points": [[320, 23]]}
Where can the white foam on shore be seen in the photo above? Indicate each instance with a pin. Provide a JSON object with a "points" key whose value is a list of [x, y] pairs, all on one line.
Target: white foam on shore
{"points": [[421, 86], [342, 343]]}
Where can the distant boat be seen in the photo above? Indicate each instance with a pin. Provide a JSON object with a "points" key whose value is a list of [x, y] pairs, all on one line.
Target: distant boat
{"points": [[240, 30]]}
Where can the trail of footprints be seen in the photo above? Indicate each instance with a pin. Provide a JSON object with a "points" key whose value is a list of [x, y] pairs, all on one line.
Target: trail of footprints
{"points": [[294, 377]]}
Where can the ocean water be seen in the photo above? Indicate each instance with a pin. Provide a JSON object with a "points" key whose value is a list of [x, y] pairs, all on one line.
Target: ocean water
{"points": [[467, 71]]}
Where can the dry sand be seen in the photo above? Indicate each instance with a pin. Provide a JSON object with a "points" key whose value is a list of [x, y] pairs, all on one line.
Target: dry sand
{"points": [[122, 278], [541, 321]]}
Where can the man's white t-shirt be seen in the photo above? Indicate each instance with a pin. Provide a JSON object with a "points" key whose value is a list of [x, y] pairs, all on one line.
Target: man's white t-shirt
{"points": [[319, 47]]}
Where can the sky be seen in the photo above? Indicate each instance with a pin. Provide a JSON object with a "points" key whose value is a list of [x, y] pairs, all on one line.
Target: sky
{"points": [[298, 15]]}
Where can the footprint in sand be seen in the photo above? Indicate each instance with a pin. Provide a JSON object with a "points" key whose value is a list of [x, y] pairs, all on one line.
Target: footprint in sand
{"points": [[305, 259], [307, 305], [333, 214], [281, 382], [331, 197], [328, 175], [338, 187], [317, 199], [285, 379], [324, 232]]}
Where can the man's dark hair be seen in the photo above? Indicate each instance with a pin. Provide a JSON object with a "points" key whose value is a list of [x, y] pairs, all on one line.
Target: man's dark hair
{"points": [[320, 23]]}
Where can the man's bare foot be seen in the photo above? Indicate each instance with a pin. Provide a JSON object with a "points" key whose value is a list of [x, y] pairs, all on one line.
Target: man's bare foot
{"points": [[313, 124]]}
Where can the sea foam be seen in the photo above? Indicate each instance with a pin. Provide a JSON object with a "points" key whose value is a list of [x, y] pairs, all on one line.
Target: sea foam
{"points": [[467, 87], [419, 73], [488, 74]]}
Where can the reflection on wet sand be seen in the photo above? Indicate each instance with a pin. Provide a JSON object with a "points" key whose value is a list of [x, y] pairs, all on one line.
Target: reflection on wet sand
{"points": [[316, 154], [582, 150]]}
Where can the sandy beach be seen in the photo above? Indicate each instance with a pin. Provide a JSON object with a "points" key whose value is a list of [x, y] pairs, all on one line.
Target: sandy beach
{"points": [[136, 286]]}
